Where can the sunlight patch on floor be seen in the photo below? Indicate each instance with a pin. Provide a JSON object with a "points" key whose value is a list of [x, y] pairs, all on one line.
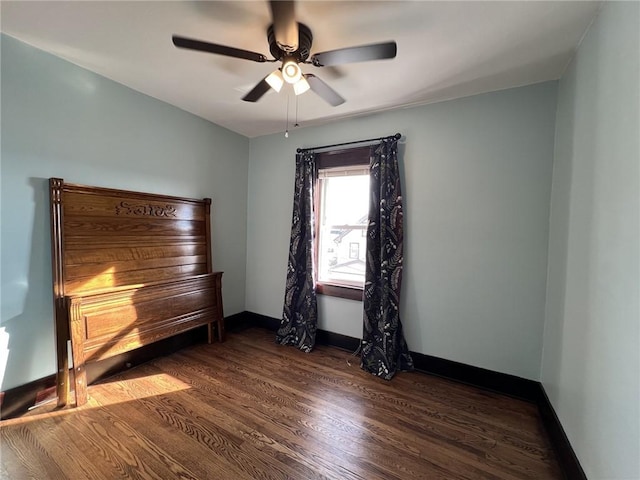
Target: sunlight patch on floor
{"points": [[109, 392], [116, 390]]}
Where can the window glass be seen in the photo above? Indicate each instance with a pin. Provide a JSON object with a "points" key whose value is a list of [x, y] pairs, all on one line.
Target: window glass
{"points": [[343, 220]]}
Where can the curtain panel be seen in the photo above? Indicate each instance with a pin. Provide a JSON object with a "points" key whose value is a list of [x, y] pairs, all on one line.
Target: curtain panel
{"points": [[300, 312], [384, 349]]}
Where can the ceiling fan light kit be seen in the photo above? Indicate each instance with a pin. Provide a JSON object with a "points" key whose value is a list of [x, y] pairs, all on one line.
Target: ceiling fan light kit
{"points": [[301, 86], [275, 80], [290, 43], [291, 70]]}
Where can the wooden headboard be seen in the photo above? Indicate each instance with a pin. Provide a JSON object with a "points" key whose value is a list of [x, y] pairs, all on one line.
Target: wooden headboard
{"points": [[129, 269]]}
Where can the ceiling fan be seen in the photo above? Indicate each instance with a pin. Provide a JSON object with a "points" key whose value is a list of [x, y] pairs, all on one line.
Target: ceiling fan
{"points": [[290, 43]]}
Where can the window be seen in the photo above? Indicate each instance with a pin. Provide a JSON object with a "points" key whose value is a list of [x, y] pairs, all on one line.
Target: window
{"points": [[342, 218]]}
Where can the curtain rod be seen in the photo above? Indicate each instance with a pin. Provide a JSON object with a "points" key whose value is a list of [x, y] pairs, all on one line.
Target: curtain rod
{"points": [[397, 136]]}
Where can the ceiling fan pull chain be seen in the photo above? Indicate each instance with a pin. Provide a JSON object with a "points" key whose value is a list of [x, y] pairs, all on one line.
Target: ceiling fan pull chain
{"points": [[286, 131]]}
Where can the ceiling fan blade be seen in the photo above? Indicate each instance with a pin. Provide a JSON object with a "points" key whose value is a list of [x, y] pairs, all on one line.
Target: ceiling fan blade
{"points": [[258, 91], [323, 90], [376, 51], [191, 44], [285, 26]]}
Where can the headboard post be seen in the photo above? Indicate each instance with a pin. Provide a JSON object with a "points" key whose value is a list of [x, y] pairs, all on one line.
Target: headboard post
{"points": [[207, 228], [76, 323], [56, 186]]}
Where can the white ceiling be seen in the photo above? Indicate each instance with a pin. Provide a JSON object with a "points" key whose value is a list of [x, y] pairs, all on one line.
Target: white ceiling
{"points": [[445, 50]]}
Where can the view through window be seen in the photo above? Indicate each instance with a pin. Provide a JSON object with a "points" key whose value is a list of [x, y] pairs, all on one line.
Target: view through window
{"points": [[343, 219]]}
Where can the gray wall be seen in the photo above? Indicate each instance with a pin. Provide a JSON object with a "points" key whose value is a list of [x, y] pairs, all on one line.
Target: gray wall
{"points": [[477, 181], [591, 359], [59, 120]]}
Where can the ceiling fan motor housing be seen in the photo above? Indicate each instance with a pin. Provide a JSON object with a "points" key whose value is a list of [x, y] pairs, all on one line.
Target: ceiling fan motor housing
{"points": [[304, 44]]}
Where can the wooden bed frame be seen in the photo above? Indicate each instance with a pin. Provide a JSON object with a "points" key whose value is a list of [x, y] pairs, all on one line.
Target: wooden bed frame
{"points": [[129, 269]]}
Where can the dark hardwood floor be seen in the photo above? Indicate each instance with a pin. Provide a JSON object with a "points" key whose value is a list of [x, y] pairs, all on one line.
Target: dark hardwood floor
{"points": [[249, 409]]}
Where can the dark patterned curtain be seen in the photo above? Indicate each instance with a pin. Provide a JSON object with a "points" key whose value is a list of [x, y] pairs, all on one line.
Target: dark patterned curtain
{"points": [[384, 349], [300, 313]]}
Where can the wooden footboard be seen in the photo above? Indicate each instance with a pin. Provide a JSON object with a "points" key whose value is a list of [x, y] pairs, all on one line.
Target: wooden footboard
{"points": [[129, 269]]}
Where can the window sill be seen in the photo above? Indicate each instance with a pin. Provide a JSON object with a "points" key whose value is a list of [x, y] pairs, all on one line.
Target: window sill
{"points": [[342, 291]]}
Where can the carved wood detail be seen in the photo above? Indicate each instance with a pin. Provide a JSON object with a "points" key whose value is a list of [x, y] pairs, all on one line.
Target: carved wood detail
{"points": [[149, 209]]}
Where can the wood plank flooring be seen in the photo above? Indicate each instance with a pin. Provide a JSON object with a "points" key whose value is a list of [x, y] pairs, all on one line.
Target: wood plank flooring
{"points": [[250, 409]]}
